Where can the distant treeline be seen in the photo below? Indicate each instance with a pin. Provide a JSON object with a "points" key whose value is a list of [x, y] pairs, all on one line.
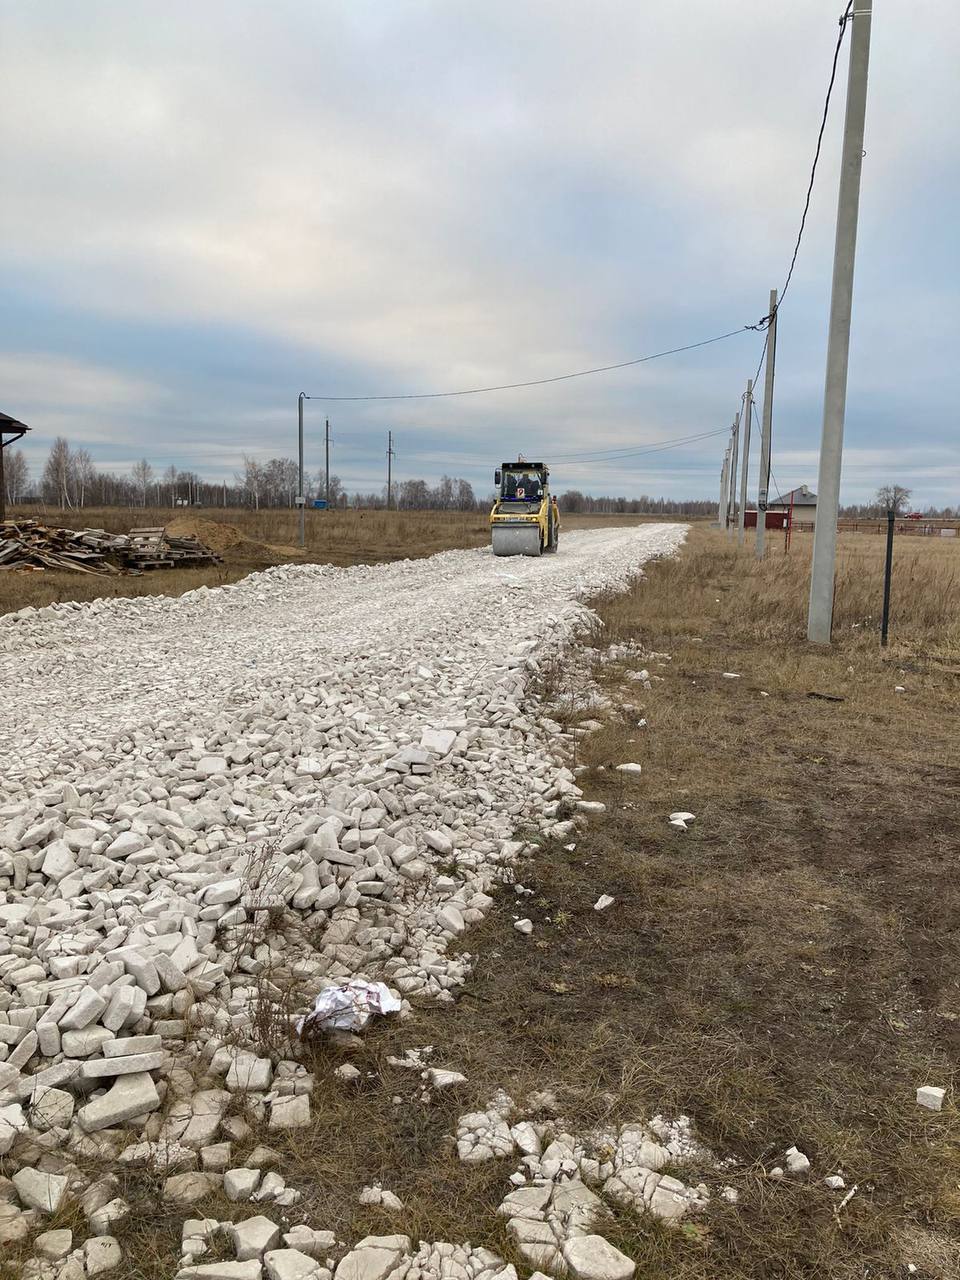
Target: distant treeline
{"points": [[70, 478]]}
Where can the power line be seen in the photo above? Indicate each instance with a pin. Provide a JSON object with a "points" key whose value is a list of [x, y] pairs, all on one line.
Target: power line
{"points": [[636, 453], [540, 382], [844, 20]]}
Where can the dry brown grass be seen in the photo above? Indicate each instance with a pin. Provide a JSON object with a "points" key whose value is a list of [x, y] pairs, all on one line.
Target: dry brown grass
{"points": [[254, 540], [716, 584]]}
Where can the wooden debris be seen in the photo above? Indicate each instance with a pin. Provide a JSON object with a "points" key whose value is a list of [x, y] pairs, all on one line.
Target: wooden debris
{"points": [[29, 545]]}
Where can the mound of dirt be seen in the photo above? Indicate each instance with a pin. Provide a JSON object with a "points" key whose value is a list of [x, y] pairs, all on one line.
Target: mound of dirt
{"points": [[229, 541], [216, 536]]}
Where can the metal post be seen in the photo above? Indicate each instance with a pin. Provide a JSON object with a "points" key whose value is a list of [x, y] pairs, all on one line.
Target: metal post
{"points": [[745, 461], [326, 443], [389, 467], [303, 532], [887, 571], [732, 500], [766, 430], [820, 616], [3, 484]]}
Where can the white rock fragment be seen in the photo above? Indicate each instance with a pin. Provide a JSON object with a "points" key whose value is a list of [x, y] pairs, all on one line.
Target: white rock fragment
{"points": [[41, 1191], [605, 900], [594, 1258], [437, 1078], [931, 1096], [523, 926], [797, 1162]]}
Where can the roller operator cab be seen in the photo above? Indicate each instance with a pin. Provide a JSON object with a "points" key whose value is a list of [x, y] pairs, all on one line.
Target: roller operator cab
{"points": [[525, 519]]}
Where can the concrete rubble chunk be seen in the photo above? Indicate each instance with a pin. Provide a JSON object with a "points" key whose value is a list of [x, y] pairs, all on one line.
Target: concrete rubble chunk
{"points": [[101, 1255], [249, 1270], [107, 1068], [41, 1191], [369, 1262], [931, 1097], [240, 1184], [51, 1109], [594, 1258], [186, 1189], [290, 1264], [130, 1096], [291, 1112], [248, 1072], [797, 1163], [88, 1007], [252, 1237], [53, 1245]]}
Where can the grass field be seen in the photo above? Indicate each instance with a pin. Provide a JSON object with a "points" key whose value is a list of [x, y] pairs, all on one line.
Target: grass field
{"points": [[787, 972], [251, 540]]}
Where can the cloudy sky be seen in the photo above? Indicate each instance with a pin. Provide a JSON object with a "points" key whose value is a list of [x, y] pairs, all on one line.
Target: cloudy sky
{"points": [[209, 207]]}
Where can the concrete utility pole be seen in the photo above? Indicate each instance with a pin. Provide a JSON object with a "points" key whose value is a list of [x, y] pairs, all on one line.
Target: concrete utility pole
{"points": [[389, 468], [820, 615], [326, 445], [763, 486], [723, 487], [732, 503], [745, 462], [303, 532]]}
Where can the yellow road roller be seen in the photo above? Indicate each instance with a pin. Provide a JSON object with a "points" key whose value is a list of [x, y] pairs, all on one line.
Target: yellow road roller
{"points": [[525, 518]]}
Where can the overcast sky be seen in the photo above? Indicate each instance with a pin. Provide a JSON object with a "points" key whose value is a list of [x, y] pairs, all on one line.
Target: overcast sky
{"points": [[209, 207]]}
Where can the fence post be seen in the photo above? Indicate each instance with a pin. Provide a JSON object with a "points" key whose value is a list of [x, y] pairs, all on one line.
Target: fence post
{"points": [[887, 570]]}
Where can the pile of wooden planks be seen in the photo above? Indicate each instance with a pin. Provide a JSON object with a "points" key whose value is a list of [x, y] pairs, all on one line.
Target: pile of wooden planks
{"points": [[30, 546], [154, 548]]}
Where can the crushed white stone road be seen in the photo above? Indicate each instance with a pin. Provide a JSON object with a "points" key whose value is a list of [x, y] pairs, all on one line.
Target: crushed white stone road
{"points": [[352, 749]]}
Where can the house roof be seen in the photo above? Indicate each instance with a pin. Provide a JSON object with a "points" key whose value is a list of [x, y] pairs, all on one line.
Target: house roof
{"points": [[12, 425], [800, 497]]}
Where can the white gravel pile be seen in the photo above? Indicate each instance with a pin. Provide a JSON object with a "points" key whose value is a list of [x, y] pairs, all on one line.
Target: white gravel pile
{"points": [[313, 773]]}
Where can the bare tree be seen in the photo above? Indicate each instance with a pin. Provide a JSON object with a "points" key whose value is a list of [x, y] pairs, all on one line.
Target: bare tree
{"points": [[252, 480], [16, 475], [58, 474], [170, 482], [84, 473], [893, 497], [142, 477]]}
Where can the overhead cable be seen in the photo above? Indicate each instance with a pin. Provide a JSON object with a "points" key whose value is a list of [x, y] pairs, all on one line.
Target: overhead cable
{"points": [[844, 21], [540, 382]]}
